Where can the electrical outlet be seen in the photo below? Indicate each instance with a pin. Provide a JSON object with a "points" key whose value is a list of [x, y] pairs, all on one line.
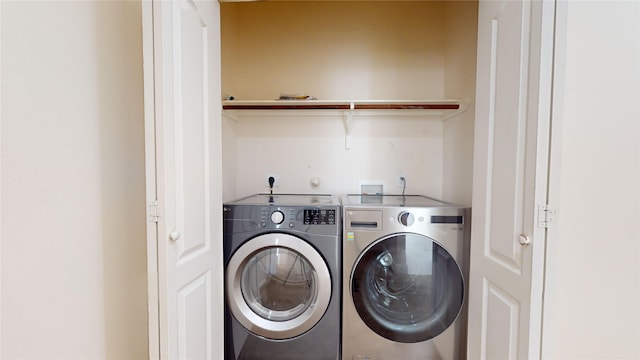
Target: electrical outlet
{"points": [[276, 183], [400, 182]]}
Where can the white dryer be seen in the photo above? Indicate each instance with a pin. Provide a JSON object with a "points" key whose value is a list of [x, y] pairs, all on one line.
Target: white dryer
{"points": [[405, 270]]}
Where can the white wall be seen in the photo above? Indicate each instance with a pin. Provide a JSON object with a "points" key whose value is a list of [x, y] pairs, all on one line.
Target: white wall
{"points": [[300, 148], [592, 299], [229, 167], [73, 213]]}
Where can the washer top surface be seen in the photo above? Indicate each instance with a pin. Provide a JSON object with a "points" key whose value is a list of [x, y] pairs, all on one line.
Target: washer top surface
{"points": [[391, 200], [288, 200]]}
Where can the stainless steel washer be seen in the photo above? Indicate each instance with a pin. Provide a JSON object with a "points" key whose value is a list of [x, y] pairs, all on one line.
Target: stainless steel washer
{"points": [[404, 278], [282, 272]]}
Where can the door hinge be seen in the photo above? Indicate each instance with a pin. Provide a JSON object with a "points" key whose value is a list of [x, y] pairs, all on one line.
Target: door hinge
{"points": [[546, 216], [153, 211]]}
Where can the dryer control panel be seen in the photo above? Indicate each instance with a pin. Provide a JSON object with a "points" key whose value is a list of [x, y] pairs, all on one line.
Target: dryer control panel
{"points": [[319, 217], [299, 214], [272, 217]]}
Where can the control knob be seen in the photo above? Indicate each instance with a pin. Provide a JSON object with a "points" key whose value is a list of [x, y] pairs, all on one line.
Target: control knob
{"points": [[277, 217], [406, 218]]}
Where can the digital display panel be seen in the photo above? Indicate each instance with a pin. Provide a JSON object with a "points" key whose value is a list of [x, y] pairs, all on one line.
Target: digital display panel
{"points": [[319, 217]]}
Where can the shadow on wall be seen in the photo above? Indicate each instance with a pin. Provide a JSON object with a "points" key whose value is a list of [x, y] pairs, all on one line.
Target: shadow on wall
{"points": [[120, 92]]}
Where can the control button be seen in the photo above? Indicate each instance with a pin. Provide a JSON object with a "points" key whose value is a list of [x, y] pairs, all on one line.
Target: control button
{"points": [[277, 217], [263, 224], [406, 218], [291, 225]]}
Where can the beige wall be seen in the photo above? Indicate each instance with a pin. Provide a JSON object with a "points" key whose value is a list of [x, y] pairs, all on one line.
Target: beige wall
{"points": [[459, 82], [592, 298], [333, 50], [73, 213], [345, 51]]}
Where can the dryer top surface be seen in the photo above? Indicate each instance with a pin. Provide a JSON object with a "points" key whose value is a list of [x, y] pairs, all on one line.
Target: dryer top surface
{"points": [[287, 200]]}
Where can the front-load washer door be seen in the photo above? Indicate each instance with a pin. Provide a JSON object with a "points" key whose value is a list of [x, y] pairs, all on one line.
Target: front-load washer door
{"points": [[407, 288], [278, 286]]}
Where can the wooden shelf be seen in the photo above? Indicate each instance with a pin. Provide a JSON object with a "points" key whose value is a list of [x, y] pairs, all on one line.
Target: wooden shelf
{"points": [[340, 105], [422, 109]]}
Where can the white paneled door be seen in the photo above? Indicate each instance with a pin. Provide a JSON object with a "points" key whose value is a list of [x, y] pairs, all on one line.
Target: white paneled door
{"points": [[182, 119], [515, 42]]}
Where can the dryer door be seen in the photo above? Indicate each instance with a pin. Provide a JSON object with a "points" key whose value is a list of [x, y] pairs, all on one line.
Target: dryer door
{"points": [[407, 288], [278, 286]]}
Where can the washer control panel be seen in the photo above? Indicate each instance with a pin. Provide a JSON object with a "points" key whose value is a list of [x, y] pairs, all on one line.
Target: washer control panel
{"points": [[406, 218]]}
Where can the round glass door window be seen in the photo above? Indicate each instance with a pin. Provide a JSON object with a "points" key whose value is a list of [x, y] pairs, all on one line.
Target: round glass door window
{"points": [[278, 284], [407, 288]]}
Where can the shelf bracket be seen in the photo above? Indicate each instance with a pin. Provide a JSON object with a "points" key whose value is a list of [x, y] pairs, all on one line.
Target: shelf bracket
{"points": [[348, 123], [464, 106]]}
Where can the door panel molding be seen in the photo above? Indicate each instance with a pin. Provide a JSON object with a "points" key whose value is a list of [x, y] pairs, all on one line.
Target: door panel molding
{"points": [[501, 314], [194, 299], [508, 61]]}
